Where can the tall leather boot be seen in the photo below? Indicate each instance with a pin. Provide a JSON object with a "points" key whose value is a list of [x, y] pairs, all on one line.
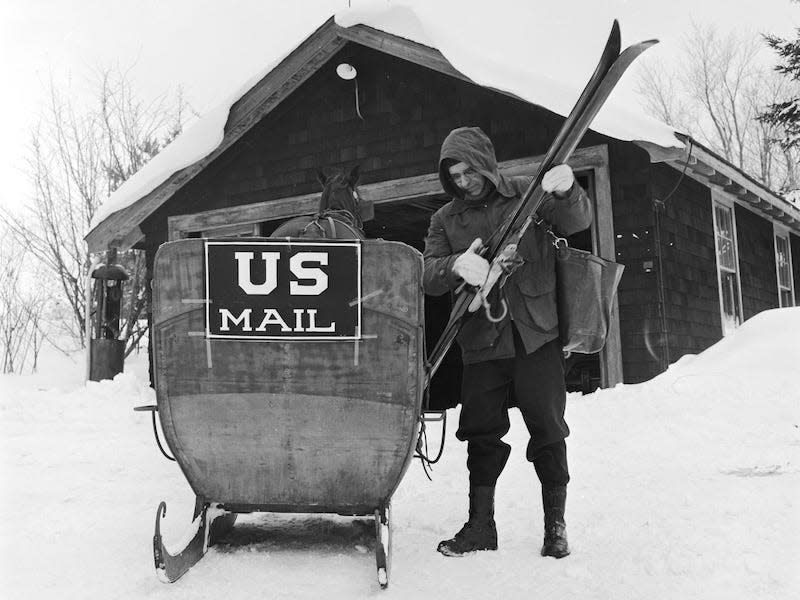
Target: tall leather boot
{"points": [[479, 533], [554, 499]]}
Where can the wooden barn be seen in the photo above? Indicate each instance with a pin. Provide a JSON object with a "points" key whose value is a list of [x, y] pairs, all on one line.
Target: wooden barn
{"points": [[705, 245]]}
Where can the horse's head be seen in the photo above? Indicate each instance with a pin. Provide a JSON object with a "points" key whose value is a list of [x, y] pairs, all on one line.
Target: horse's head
{"points": [[339, 214], [339, 192]]}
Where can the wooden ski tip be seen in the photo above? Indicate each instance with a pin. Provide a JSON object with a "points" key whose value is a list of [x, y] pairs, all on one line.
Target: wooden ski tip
{"points": [[614, 37]]}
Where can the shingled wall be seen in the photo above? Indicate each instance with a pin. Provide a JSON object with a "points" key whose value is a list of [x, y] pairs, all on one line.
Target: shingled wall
{"points": [[757, 267], [638, 301], [688, 258], [669, 298]]}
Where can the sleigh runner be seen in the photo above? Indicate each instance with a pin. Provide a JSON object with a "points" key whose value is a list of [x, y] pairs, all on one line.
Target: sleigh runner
{"points": [[289, 378]]}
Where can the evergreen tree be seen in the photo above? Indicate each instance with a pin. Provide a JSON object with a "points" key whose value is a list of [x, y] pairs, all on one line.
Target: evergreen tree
{"points": [[787, 112]]}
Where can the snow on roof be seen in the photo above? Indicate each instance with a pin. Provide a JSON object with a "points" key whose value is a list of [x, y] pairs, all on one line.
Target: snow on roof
{"points": [[492, 70], [486, 69], [194, 143]]}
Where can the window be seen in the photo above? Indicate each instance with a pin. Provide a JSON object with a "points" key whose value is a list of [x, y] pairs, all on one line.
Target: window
{"points": [[783, 261], [727, 265], [233, 230]]}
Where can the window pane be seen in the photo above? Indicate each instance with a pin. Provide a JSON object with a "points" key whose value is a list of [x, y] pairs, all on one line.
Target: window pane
{"points": [[782, 251], [724, 222], [786, 298], [235, 230], [725, 250], [728, 281], [727, 257], [731, 315]]}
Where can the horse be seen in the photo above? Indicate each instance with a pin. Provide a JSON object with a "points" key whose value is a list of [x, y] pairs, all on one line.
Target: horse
{"points": [[338, 215]]}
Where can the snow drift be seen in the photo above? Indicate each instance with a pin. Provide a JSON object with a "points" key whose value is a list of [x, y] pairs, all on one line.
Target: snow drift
{"points": [[683, 486]]}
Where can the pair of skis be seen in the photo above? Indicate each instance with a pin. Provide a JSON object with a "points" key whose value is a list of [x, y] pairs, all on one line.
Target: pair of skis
{"points": [[606, 75]]}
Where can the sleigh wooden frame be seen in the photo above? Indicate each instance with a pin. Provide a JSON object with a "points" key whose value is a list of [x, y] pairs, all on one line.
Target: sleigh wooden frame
{"points": [[267, 425]]}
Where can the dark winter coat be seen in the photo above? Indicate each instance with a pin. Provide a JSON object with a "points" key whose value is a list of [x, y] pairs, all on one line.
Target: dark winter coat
{"points": [[531, 290]]}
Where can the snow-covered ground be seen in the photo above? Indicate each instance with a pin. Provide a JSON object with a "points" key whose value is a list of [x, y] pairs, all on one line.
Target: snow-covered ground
{"points": [[687, 486]]}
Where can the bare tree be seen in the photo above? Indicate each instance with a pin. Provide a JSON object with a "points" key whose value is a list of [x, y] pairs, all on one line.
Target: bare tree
{"points": [[77, 157], [716, 94], [661, 98], [22, 304], [134, 131]]}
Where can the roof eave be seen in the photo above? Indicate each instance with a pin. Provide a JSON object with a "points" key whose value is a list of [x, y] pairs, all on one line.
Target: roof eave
{"points": [[118, 229], [709, 168]]}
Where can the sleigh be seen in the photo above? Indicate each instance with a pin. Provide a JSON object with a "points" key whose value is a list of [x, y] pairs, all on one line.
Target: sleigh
{"points": [[289, 378]]}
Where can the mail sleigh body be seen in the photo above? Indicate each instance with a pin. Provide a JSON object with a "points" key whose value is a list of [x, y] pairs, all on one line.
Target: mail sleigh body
{"points": [[316, 420]]}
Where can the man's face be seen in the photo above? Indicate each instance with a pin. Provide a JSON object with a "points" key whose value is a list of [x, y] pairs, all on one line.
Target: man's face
{"points": [[467, 179]]}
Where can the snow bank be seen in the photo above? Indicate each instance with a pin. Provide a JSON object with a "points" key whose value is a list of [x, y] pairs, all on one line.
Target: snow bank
{"points": [[686, 486], [488, 69]]}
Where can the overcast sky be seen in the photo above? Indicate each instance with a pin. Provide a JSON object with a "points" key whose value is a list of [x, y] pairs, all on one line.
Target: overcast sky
{"points": [[209, 48]]}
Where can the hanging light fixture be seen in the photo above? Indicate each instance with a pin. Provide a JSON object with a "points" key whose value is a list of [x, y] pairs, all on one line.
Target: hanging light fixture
{"points": [[348, 72]]}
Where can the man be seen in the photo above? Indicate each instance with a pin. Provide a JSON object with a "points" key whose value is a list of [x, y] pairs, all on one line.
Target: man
{"points": [[518, 358]]}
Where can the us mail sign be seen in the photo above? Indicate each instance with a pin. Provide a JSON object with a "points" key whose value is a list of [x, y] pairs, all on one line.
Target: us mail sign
{"points": [[283, 290]]}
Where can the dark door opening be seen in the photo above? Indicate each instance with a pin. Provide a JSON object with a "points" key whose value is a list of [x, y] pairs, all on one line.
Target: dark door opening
{"points": [[407, 222], [582, 371]]}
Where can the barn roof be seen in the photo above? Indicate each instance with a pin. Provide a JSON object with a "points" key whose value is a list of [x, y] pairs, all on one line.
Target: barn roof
{"points": [[117, 223]]}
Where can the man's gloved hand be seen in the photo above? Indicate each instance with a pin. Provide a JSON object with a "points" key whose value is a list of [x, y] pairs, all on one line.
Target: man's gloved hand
{"points": [[558, 180], [471, 267]]}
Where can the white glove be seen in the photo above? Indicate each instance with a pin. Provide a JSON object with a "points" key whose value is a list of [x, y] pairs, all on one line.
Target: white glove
{"points": [[558, 180], [471, 267]]}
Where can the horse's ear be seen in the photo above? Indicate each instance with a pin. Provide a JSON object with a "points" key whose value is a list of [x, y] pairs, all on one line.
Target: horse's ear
{"points": [[353, 177], [321, 177]]}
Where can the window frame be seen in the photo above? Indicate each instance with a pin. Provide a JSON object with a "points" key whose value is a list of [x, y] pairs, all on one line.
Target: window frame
{"points": [[727, 203], [233, 230], [780, 231]]}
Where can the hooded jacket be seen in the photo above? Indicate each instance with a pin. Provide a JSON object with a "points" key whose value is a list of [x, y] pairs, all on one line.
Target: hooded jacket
{"points": [[530, 291]]}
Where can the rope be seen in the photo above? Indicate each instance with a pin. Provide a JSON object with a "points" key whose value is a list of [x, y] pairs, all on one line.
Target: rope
{"points": [[341, 216], [683, 172], [658, 207], [358, 107], [422, 454], [421, 451], [351, 218], [158, 439]]}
